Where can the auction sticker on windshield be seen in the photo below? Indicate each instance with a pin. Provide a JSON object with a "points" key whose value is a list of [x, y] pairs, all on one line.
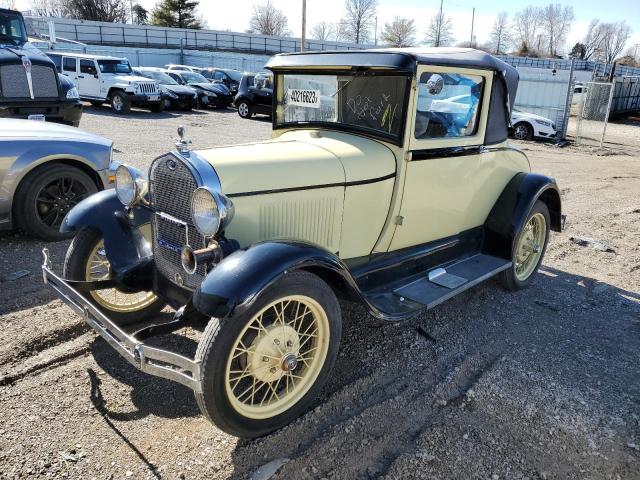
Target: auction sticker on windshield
{"points": [[303, 98]]}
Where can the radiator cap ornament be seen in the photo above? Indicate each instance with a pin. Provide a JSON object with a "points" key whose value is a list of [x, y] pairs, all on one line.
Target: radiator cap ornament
{"points": [[182, 145]]}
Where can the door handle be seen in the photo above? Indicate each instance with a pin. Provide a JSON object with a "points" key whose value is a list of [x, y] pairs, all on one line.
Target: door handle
{"points": [[80, 76]]}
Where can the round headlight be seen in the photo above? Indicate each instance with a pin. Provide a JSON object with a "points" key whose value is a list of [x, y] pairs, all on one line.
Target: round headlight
{"points": [[211, 211], [130, 185]]}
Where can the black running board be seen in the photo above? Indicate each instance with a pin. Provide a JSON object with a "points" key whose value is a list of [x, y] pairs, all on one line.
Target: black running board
{"points": [[411, 295]]}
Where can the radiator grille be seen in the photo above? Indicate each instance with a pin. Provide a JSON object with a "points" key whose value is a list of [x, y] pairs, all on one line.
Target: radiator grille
{"points": [[171, 185], [13, 82], [147, 87]]}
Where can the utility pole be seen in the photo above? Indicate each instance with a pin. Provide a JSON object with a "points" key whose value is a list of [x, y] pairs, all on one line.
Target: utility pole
{"points": [[473, 19], [439, 26], [375, 33], [131, 10], [304, 25]]}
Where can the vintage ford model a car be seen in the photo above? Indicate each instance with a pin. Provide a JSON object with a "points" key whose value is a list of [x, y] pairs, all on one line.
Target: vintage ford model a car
{"points": [[380, 186]]}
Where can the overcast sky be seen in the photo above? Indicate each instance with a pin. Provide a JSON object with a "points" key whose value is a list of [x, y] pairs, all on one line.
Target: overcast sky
{"points": [[234, 15]]}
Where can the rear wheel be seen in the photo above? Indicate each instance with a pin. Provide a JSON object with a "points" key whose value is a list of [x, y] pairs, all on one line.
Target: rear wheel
{"points": [[120, 103], [529, 248], [244, 109], [86, 260], [265, 367], [46, 195]]}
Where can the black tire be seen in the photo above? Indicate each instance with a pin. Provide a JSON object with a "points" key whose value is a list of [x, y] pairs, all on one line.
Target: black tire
{"points": [[522, 131], [220, 337], [157, 108], [96, 103], [245, 109], [508, 277], [120, 103], [45, 196], [75, 263]]}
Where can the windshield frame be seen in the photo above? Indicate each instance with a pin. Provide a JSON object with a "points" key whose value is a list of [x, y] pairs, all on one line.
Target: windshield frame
{"points": [[185, 74], [111, 61], [151, 74], [396, 139], [20, 41]]}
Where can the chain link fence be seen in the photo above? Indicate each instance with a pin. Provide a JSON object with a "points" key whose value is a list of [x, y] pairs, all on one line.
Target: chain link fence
{"points": [[594, 113]]}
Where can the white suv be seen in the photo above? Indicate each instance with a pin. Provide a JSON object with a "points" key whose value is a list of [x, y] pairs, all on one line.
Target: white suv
{"points": [[103, 79]]}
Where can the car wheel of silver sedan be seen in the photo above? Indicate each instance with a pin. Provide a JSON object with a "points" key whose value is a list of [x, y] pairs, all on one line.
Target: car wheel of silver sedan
{"points": [[46, 195]]}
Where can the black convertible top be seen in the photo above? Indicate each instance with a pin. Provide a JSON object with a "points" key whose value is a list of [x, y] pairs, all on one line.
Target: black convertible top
{"points": [[406, 60]]}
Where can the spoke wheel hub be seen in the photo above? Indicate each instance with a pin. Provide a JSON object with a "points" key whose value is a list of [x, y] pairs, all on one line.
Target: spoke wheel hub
{"points": [[273, 353]]}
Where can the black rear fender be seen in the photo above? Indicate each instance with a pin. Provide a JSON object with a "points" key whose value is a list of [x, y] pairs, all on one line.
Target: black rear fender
{"points": [[232, 286], [123, 242], [512, 208]]}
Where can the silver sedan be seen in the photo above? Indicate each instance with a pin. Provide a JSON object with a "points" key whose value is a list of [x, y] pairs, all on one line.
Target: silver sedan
{"points": [[46, 169]]}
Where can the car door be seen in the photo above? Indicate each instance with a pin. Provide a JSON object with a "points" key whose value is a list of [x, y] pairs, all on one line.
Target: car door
{"points": [[70, 69], [450, 182], [88, 78]]}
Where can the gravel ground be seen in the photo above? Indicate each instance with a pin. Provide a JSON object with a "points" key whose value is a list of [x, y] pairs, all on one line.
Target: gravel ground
{"points": [[543, 383]]}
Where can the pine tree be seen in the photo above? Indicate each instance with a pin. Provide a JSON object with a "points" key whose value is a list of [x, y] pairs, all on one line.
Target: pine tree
{"points": [[177, 14]]}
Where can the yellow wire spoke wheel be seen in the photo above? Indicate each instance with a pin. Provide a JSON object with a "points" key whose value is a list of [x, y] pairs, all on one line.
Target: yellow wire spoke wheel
{"points": [[277, 357], [112, 299], [530, 246]]}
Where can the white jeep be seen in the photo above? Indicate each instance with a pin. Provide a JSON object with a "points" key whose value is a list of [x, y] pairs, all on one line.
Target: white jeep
{"points": [[103, 79]]}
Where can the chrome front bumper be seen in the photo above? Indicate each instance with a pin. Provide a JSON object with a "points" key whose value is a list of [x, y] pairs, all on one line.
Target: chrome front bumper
{"points": [[151, 360]]}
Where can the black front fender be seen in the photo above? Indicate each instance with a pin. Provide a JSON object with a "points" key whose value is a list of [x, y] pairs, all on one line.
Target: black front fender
{"points": [[512, 208], [123, 242], [232, 286]]}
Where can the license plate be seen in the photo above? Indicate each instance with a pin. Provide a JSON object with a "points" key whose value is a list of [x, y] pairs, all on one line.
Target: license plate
{"points": [[37, 117], [154, 97]]}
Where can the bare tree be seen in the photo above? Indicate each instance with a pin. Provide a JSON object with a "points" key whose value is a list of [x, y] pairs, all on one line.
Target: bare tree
{"points": [[401, 32], [359, 20], [500, 37], [97, 10], [614, 38], [439, 33], [593, 39], [556, 24], [527, 26], [48, 8], [323, 31], [268, 20]]}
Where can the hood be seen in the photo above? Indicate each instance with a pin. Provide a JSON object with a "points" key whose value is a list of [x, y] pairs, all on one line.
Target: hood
{"points": [[301, 158], [13, 129], [211, 87], [11, 54], [178, 89], [531, 116], [131, 78]]}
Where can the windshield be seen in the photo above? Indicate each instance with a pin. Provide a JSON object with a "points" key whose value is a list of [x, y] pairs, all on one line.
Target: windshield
{"points": [[373, 103], [114, 66], [12, 30], [160, 77], [191, 77], [234, 74]]}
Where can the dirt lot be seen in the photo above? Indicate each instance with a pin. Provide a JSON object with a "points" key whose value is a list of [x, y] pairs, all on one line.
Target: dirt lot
{"points": [[544, 383]]}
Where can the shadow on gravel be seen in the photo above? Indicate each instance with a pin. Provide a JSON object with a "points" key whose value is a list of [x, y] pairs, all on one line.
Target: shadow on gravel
{"points": [[149, 395], [566, 347], [105, 111], [100, 405]]}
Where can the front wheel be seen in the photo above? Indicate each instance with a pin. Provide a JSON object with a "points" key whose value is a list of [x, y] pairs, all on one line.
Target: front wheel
{"points": [[158, 107], [120, 103], [528, 249], [522, 131], [264, 368], [86, 260]]}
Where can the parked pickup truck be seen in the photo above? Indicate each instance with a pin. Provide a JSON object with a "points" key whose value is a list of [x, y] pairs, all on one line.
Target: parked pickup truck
{"points": [[103, 79]]}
